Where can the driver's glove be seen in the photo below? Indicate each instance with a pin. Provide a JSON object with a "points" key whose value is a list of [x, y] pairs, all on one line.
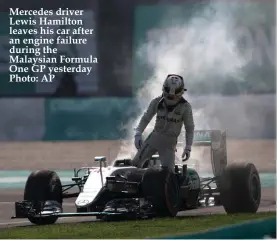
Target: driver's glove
{"points": [[138, 140], [186, 154]]}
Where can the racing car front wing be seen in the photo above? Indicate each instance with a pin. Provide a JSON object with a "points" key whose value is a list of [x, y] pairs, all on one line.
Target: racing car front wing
{"points": [[40, 209]]}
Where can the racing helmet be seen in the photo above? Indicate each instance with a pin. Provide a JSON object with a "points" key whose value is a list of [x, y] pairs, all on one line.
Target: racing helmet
{"points": [[173, 89]]}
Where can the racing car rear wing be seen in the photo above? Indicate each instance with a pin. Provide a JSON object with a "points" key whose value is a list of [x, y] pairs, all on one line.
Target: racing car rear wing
{"points": [[211, 138], [202, 138]]}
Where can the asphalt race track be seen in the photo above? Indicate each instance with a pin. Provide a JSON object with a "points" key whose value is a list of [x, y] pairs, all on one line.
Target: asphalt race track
{"points": [[8, 197]]}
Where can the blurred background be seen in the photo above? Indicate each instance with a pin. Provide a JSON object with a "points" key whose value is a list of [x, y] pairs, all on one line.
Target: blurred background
{"points": [[224, 49]]}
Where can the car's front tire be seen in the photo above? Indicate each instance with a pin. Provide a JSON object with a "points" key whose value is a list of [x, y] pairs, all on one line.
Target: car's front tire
{"points": [[43, 185]]}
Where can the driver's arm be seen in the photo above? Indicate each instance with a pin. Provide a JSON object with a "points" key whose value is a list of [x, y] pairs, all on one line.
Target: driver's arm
{"points": [[147, 116], [189, 126]]}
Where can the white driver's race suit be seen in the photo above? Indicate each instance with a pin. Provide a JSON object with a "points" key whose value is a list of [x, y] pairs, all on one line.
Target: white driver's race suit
{"points": [[168, 126]]}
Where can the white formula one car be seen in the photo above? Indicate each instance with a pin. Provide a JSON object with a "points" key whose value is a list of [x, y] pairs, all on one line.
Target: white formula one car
{"points": [[122, 191]]}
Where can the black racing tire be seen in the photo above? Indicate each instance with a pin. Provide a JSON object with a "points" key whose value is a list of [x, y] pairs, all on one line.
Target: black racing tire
{"points": [[43, 185], [162, 188], [240, 188]]}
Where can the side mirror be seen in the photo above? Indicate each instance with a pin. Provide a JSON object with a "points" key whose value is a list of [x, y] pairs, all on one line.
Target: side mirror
{"points": [[100, 159], [155, 158]]}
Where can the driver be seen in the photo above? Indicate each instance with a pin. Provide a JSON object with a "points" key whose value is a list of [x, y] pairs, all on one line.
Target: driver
{"points": [[172, 112]]}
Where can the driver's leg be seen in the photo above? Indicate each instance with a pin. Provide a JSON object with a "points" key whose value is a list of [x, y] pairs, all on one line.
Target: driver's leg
{"points": [[167, 158], [146, 151]]}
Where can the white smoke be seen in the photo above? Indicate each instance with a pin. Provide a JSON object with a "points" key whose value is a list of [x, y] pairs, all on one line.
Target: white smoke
{"points": [[205, 47]]}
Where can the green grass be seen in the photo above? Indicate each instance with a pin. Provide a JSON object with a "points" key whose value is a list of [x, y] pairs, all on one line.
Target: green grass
{"points": [[131, 229]]}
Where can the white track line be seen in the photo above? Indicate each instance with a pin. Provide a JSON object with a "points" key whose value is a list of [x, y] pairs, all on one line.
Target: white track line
{"points": [[64, 204], [13, 223], [10, 222]]}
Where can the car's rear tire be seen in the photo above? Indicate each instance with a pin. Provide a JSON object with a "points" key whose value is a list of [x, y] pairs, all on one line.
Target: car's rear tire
{"points": [[240, 188], [43, 185], [162, 188]]}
